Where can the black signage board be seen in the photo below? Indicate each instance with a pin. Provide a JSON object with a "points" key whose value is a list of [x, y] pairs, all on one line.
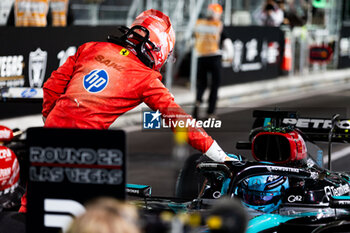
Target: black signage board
{"points": [[258, 53], [344, 48], [67, 168], [29, 55]]}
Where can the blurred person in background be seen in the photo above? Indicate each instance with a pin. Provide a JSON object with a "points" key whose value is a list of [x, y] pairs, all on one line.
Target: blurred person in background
{"points": [[5, 9], [107, 215], [103, 80], [269, 14], [291, 18], [40, 13], [208, 33]]}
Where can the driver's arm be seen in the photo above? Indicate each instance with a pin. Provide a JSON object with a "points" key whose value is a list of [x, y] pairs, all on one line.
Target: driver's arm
{"points": [[56, 85]]}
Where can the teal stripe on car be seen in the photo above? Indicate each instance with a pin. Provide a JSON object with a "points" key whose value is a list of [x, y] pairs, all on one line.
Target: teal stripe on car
{"points": [[136, 186], [268, 221], [341, 197]]}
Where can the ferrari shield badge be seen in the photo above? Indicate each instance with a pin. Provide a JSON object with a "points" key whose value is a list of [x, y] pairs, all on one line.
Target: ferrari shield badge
{"points": [[37, 67]]}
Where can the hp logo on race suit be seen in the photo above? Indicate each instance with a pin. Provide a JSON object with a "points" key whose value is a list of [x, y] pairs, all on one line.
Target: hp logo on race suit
{"points": [[95, 81]]}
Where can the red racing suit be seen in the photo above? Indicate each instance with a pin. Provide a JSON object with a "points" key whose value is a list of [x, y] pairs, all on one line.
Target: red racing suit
{"points": [[101, 82]]}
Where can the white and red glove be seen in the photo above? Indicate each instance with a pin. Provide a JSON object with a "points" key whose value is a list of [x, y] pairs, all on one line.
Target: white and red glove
{"points": [[218, 155]]}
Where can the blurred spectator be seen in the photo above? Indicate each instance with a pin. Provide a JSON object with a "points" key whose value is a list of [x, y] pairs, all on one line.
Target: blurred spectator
{"points": [[290, 15], [269, 14], [106, 215], [59, 12], [208, 35], [5, 8], [40, 13]]}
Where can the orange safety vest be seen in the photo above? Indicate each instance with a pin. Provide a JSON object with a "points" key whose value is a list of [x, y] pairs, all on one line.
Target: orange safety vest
{"points": [[59, 10], [207, 33], [31, 13]]}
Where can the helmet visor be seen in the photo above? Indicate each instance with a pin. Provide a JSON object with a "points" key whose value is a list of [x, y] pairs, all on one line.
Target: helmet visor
{"points": [[260, 198]]}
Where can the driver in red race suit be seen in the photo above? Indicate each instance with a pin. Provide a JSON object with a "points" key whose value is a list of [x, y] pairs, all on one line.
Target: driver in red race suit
{"points": [[103, 80]]}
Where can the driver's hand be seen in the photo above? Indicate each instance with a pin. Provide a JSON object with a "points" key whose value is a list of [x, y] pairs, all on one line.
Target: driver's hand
{"points": [[218, 155], [233, 157]]}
